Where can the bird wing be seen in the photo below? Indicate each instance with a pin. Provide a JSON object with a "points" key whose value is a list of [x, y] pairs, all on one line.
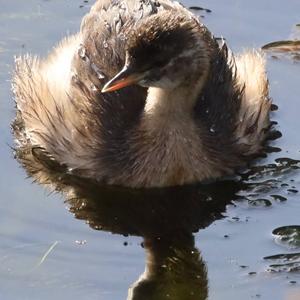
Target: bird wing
{"points": [[234, 104]]}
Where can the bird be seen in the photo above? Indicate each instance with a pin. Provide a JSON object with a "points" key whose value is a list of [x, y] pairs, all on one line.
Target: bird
{"points": [[143, 96]]}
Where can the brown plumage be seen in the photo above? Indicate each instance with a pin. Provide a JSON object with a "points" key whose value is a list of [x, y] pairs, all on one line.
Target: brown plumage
{"points": [[181, 108]]}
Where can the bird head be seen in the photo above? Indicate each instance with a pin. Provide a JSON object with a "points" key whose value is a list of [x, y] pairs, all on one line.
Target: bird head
{"points": [[164, 50]]}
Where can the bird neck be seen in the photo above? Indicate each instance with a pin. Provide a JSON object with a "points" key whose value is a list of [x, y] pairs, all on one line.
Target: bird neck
{"points": [[166, 105]]}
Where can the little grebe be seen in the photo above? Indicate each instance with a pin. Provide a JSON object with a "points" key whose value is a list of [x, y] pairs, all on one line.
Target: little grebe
{"points": [[181, 108]]}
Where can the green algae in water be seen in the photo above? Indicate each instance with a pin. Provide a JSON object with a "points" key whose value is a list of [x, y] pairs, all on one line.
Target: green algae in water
{"points": [[260, 203], [284, 257], [288, 236], [288, 267], [200, 8], [284, 262], [283, 46]]}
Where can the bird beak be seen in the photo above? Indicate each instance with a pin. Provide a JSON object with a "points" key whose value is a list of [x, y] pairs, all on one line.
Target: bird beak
{"points": [[124, 78]]}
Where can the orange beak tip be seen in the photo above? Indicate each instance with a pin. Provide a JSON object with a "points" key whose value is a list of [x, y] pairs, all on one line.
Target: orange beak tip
{"points": [[106, 89], [120, 81], [113, 86]]}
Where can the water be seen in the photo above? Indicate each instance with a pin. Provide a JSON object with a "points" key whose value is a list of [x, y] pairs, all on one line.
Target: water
{"points": [[46, 253]]}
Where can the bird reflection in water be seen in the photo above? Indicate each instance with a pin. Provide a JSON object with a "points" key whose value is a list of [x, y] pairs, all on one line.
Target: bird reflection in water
{"points": [[174, 270], [174, 267], [166, 220]]}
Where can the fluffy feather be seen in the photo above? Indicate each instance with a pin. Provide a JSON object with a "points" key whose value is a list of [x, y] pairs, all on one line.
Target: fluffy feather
{"points": [[64, 123]]}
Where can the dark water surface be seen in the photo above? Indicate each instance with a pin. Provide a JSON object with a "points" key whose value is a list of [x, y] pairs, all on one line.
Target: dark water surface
{"points": [[46, 253]]}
